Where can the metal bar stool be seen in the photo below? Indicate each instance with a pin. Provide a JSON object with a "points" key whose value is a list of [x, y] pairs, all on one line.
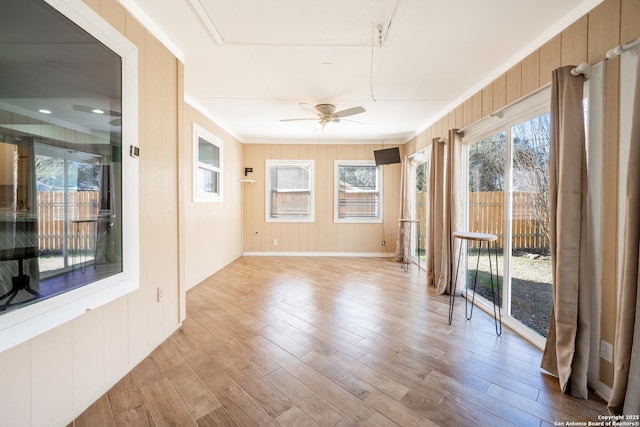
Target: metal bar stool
{"points": [[21, 281], [91, 225], [478, 237]]}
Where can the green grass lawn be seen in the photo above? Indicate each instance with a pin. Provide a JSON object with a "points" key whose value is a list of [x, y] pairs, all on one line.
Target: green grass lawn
{"points": [[531, 294]]}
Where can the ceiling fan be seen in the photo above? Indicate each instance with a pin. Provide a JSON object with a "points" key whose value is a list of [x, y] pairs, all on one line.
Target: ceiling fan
{"points": [[326, 113]]}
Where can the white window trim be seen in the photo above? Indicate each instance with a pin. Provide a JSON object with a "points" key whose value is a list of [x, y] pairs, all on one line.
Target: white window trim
{"points": [[521, 111], [198, 196], [336, 192], [267, 198], [21, 325]]}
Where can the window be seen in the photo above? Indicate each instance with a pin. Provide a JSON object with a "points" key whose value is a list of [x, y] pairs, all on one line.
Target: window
{"points": [[207, 166], [358, 192], [290, 191], [68, 226]]}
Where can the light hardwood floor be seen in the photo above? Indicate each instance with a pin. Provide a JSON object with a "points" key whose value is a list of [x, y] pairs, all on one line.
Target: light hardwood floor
{"points": [[334, 342]]}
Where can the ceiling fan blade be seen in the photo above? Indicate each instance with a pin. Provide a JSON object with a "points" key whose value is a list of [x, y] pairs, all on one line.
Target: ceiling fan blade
{"points": [[352, 121], [295, 120], [310, 107], [350, 112]]}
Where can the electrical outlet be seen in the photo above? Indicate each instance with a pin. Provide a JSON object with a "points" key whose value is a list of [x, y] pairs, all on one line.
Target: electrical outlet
{"points": [[606, 351], [275, 242], [384, 243], [159, 294]]}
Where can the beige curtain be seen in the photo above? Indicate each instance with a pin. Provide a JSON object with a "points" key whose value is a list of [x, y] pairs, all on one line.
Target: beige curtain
{"points": [[403, 245], [451, 208], [625, 394], [443, 213], [567, 349], [435, 230]]}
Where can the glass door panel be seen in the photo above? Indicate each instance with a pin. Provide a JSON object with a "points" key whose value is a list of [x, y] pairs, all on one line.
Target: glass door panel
{"points": [[68, 202], [531, 289], [83, 202], [50, 184], [485, 208], [420, 169]]}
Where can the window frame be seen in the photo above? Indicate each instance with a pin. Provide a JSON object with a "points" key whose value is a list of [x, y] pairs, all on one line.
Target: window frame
{"points": [[336, 194], [290, 218], [18, 326], [522, 111], [536, 105], [203, 196]]}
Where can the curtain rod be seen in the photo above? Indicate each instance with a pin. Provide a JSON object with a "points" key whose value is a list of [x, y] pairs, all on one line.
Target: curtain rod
{"points": [[584, 69], [499, 111], [421, 151], [619, 50]]}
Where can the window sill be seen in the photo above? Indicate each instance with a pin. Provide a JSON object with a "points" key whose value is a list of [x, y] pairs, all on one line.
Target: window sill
{"points": [[21, 325]]}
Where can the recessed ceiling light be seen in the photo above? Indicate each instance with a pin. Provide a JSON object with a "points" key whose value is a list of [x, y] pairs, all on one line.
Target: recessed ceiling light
{"points": [[44, 111], [97, 111]]}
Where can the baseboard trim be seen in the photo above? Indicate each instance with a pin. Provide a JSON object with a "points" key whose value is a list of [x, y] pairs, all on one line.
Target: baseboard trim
{"points": [[322, 254], [602, 390]]}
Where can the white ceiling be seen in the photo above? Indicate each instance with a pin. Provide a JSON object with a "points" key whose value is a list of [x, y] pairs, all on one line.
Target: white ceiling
{"points": [[249, 63]]}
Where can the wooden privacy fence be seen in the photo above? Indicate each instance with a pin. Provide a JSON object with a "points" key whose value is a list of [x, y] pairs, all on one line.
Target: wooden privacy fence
{"points": [[51, 217], [486, 215]]}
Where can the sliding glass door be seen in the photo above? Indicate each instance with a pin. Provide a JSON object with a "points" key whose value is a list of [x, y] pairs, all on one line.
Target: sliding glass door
{"points": [[508, 195], [420, 169], [68, 185]]}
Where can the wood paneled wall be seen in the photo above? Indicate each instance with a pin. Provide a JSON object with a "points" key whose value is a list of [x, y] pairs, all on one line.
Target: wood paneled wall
{"points": [[323, 235], [52, 378], [211, 231], [611, 23]]}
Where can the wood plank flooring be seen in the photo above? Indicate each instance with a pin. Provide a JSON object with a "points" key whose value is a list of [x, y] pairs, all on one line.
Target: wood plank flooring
{"points": [[283, 341]]}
